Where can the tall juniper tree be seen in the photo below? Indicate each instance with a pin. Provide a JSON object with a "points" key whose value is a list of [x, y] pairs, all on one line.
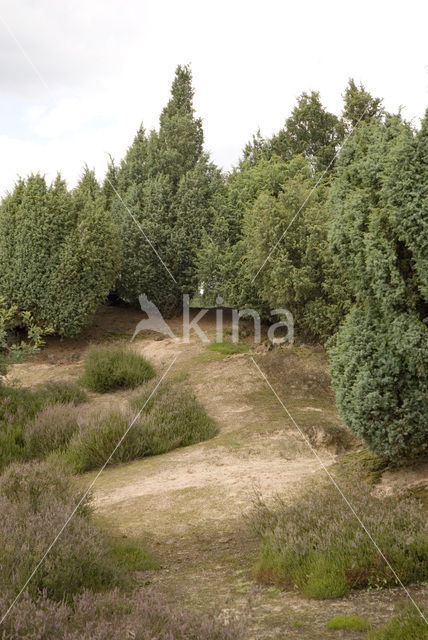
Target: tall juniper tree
{"points": [[379, 237], [170, 188]]}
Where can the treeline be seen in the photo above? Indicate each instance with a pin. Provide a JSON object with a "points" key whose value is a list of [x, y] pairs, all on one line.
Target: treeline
{"points": [[327, 218]]}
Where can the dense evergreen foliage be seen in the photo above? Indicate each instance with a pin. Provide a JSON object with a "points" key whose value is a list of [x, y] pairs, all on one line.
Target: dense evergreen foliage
{"points": [[327, 218], [59, 251], [379, 236]]}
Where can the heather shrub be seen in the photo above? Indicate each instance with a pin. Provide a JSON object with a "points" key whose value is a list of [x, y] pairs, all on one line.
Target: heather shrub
{"points": [[171, 418], [36, 500], [96, 439], [111, 616], [50, 430], [317, 545], [18, 408], [109, 369], [63, 392]]}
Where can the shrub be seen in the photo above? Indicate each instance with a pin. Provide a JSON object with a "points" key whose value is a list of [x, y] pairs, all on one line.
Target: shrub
{"points": [[111, 616], [63, 392], [171, 418], [108, 369], [379, 361], [317, 545], [408, 625], [19, 406], [36, 500], [21, 403], [380, 374], [51, 429], [96, 439]]}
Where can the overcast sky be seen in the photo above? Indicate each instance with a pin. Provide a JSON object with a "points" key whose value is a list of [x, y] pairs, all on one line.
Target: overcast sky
{"points": [[78, 77]]}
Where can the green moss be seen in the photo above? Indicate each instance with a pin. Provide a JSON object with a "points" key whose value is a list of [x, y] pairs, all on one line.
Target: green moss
{"points": [[228, 348], [367, 464], [353, 623]]}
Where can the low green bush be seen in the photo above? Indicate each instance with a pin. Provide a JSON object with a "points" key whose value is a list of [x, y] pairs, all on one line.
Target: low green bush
{"points": [[171, 418], [96, 439], [315, 544], [408, 625], [353, 623], [107, 369], [36, 500]]}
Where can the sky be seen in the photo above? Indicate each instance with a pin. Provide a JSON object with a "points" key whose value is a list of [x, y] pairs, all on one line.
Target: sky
{"points": [[79, 77]]}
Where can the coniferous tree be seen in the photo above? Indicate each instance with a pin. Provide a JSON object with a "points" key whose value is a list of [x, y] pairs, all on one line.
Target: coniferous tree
{"points": [[359, 105], [379, 362], [311, 130], [170, 189]]}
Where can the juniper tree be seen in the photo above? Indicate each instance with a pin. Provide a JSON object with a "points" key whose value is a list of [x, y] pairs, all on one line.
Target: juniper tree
{"points": [[379, 235], [311, 130], [169, 189], [359, 105]]}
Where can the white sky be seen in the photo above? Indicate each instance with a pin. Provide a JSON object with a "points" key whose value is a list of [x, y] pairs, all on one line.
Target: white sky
{"points": [[78, 77]]}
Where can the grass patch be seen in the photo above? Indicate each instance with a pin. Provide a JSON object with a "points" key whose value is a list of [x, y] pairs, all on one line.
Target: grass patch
{"points": [[181, 376], [352, 623], [316, 545], [132, 556], [110, 369], [408, 625], [171, 418], [228, 348]]}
